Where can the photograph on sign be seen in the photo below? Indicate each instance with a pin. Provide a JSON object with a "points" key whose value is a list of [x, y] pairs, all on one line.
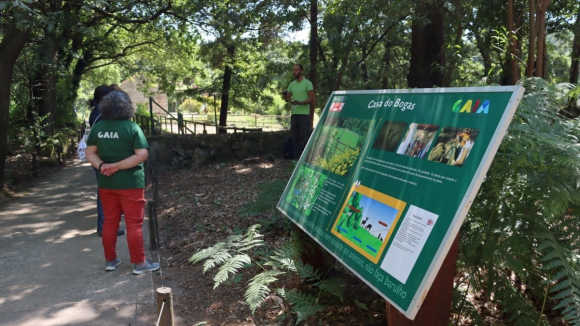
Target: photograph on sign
{"points": [[390, 135], [418, 140], [453, 145], [338, 144]]}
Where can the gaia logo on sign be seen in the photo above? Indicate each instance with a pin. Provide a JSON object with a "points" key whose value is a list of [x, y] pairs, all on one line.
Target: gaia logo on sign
{"points": [[468, 106]]}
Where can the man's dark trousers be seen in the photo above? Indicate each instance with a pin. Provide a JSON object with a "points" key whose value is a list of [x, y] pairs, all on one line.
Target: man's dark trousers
{"points": [[300, 130]]}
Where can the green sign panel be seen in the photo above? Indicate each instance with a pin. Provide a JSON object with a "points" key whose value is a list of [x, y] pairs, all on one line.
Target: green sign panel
{"points": [[388, 176]]}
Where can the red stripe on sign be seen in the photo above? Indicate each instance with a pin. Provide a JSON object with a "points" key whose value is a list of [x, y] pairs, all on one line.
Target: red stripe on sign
{"points": [[383, 223], [354, 209]]}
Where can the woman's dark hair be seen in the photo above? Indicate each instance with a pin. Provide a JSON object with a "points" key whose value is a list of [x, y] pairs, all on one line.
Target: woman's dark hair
{"points": [[117, 106], [99, 93]]}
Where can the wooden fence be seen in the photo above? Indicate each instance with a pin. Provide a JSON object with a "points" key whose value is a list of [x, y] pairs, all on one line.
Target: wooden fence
{"points": [[179, 123]]}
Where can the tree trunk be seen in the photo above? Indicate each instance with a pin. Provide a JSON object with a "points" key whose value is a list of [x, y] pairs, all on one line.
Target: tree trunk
{"points": [[386, 65], [44, 89], [540, 57], [483, 45], [10, 47], [451, 64], [512, 39], [427, 41], [532, 39], [313, 53], [226, 89], [78, 68], [575, 65], [77, 73], [344, 62], [365, 72]]}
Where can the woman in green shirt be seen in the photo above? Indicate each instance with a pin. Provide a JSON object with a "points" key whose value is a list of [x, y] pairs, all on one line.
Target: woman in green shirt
{"points": [[117, 148]]}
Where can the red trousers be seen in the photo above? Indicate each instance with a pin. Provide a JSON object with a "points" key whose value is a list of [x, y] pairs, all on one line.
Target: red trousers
{"points": [[130, 202]]}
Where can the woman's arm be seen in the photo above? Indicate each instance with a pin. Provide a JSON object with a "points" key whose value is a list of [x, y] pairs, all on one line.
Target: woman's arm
{"points": [[140, 156], [92, 155]]}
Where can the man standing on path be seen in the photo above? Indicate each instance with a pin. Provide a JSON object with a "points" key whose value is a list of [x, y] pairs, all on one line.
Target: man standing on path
{"points": [[300, 93]]}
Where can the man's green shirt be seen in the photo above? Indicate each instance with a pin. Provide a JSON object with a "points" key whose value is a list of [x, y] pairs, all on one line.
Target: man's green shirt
{"points": [[299, 92], [116, 140]]}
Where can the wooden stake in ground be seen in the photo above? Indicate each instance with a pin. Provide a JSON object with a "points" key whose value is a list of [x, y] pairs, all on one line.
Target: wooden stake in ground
{"points": [[165, 306]]}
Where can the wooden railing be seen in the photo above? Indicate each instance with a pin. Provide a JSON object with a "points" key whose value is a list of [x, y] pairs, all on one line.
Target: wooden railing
{"points": [[178, 123]]}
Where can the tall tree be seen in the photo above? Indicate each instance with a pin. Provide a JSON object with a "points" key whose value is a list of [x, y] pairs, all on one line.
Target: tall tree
{"points": [[531, 39], [15, 34], [427, 41], [514, 72], [247, 21], [61, 40], [313, 53], [575, 55], [541, 57]]}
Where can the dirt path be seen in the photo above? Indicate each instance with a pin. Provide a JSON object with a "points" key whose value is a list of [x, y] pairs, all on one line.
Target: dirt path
{"points": [[52, 265]]}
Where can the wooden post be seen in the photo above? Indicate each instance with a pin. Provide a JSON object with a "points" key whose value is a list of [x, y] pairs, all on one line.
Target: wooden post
{"points": [[147, 166], [436, 309], [155, 181], [314, 254], [165, 307], [152, 226], [151, 116]]}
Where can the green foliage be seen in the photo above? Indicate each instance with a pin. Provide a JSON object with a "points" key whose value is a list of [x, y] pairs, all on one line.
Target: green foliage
{"points": [[361, 305], [191, 105], [220, 253], [235, 253], [305, 304], [258, 289], [528, 207], [142, 109]]}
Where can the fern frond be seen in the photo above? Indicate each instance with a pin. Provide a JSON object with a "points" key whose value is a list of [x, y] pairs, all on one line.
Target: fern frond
{"points": [[305, 305], [208, 252], [308, 272], [520, 311], [561, 274], [231, 266], [333, 286], [567, 287], [551, 255], [250, 239], [286, 256], [465, 308], [526, 205], [568, 303], [229, 254], [219, 258], [563, 290], [564, 286], [258, 289]]}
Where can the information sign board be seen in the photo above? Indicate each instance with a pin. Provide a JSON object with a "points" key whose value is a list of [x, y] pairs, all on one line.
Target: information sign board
{"points": [[388, 176]]}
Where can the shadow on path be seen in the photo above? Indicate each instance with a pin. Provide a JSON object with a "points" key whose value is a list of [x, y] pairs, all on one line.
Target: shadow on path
{"points": [[52, 263]]}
